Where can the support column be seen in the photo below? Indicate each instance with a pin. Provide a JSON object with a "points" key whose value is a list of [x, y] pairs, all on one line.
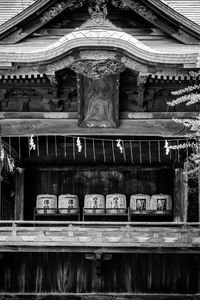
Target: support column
{"points": [[19, 194], [199, 194], [180, 194]]}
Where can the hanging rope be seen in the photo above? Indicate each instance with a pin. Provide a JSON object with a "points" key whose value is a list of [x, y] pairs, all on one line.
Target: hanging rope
{"points": [[19, 147], [150, 152], [124, 152], [85, 147], [113, 151], [47, 145], [65, 147], [73, 146], [159, 158], [94, 154], [104, 153], [140, 149], [38, 147], [56, 149], [178, 152], [131, 149]]}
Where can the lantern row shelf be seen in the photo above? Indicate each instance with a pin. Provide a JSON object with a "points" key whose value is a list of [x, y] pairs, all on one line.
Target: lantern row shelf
{"points": [[95, 206]]}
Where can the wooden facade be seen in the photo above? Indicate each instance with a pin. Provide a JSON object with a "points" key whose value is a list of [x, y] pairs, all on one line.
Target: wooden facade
{"points": [[84, 92]]}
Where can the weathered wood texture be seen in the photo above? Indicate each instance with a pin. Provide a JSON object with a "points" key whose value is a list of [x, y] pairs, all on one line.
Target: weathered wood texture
{"points": [[97, 296], [180, 196], [124, 273], [19, 194], [99, 237], [37, 95], [128, 127]]}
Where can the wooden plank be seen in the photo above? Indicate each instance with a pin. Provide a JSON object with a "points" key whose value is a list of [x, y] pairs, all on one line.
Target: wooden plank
{"points": [[199, 192], [178, 196], [162, 128], [98, 296], [73, 115], [19, 194]]}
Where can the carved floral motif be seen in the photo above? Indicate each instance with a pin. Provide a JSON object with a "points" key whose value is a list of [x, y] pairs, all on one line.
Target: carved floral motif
{"points": [[137, 7], [120, 4], [97, 69], [53, 11]]}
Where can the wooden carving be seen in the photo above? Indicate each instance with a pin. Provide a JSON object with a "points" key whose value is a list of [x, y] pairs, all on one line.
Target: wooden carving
{"points": [[98, 100], [98, 93]]}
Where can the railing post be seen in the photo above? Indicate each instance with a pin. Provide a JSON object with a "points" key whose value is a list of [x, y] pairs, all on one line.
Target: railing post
{"points": [[199, 193], [19, 194]]}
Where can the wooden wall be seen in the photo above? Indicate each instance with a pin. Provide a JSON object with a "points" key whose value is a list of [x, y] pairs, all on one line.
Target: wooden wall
{"points": [[32, 96], [99, 180], [68, 272]]}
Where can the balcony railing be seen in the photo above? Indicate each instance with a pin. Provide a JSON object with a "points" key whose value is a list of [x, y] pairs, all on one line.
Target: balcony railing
{"points": [[91, 236]]}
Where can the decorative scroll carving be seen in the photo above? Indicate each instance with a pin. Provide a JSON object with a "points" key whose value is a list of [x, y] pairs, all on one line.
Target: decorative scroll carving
{"points": [[76, 4], [97, 69], [120, 4], [140, 9], [53, 11], [60, 64], [99, 8], [98, 101]]}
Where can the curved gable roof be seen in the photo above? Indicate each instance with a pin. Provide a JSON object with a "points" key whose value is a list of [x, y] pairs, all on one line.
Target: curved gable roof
{"points": [[186, 31], [188, 8], [10, 8]]}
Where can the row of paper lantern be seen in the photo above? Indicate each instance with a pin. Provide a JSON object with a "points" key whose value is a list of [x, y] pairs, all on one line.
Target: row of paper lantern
{"points": [[95, 203]]}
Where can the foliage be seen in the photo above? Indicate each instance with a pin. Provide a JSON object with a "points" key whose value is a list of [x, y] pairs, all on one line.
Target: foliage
{"points": [[190, 95]]}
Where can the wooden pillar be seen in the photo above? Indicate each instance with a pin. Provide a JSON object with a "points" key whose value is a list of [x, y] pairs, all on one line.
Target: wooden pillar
{"points": [[180, 194], [0, 190], [199, 193], [19, 194]]}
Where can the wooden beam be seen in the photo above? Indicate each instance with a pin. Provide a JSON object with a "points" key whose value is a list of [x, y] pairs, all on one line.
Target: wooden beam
{"points": [[199, 191], [19, 194], [74, 115], [0, 183], [128, 127], [98, 296], [178, 196]]}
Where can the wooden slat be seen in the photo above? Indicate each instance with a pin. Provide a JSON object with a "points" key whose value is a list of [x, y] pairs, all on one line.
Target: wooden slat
{"points": [[162, 128], [123, 115], [10, 8], [188, 8], [110, 296]]}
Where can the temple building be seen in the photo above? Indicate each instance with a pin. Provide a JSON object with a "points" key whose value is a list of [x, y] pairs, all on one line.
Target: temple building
{"points": [[94, 202]]}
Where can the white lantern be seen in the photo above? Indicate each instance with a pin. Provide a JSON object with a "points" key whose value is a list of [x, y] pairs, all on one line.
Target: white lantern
{"points": [[161, 203], [94, 203], [116, 204], [68, 204], [46, 204], [140, 202]]}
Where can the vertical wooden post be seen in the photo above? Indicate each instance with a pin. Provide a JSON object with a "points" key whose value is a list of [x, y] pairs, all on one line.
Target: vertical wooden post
{"points": [[19, 194], [0, 184], [197, 261], [180, 194], [199, 193], [185, 192]]}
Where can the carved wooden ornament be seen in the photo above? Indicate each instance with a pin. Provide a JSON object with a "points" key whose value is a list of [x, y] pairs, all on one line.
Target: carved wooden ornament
{"points": [[98, 92], [98, 101]]}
